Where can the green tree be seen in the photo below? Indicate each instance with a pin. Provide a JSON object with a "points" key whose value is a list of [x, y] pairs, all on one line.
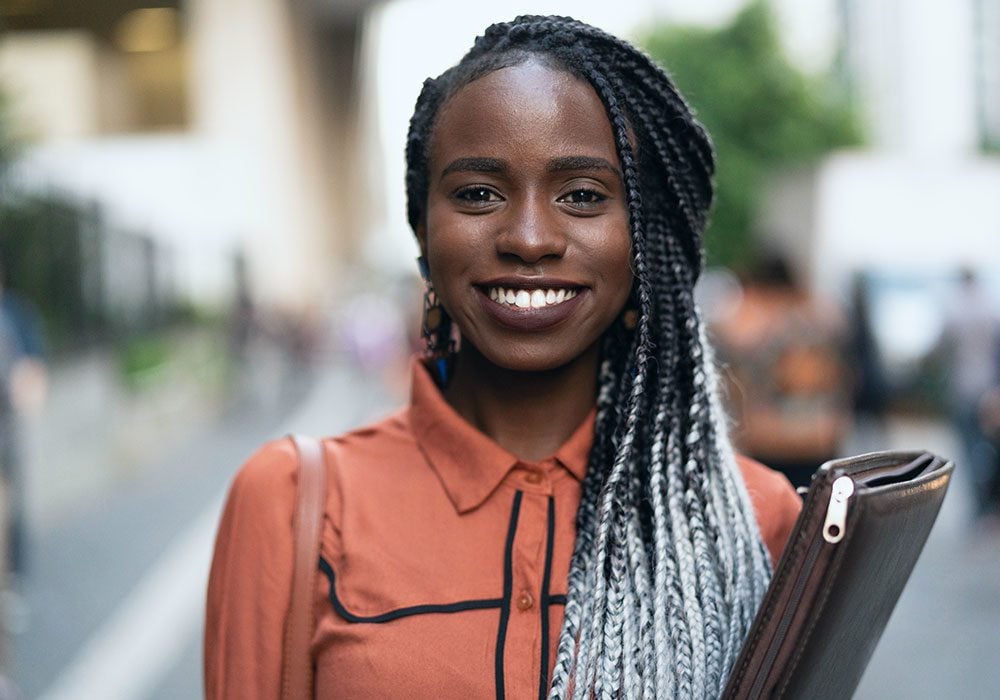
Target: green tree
{"points": [[762, 112]]}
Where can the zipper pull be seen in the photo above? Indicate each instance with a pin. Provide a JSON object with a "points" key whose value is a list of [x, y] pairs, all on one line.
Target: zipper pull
{"points": [[836, 512]]}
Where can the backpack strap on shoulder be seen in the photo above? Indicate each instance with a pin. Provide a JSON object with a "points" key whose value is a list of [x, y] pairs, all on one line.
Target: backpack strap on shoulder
{"points": [[297, 663]]}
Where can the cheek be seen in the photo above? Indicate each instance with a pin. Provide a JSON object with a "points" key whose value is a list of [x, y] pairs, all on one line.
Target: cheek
{"points": [[457, 235], [452, 248], [616, 254], [623, 282], [440, 242]]}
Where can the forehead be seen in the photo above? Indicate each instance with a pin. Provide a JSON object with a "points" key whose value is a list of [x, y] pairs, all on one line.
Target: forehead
{"points": [[523, 111]]}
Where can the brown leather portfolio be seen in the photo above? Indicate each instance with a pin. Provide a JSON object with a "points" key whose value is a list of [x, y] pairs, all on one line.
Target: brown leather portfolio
{"points": [[863, 525]]}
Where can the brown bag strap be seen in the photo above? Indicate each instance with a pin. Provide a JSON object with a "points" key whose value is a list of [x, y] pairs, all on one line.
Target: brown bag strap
{"points": [[297, 665]]}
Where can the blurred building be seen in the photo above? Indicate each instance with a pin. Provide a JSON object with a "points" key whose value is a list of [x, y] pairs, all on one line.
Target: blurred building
{"points": [[919, 201], [987, 60], [925, 77], [216, 126], [276, 127]]}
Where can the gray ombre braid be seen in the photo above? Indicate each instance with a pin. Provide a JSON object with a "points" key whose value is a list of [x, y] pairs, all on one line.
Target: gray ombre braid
{"points": [[668, 566]]}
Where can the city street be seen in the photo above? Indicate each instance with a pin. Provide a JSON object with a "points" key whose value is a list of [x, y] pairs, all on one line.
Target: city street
{"points": [[113, 600], [114, 597], [207, 219]]}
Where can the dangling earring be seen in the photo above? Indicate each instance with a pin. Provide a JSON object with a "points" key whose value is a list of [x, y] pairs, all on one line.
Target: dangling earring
{"points": [[435, 326], [630, 319], [629, 316]]}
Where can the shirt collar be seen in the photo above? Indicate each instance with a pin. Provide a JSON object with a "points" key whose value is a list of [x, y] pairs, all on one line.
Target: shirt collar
{"points": [[471, 465]]}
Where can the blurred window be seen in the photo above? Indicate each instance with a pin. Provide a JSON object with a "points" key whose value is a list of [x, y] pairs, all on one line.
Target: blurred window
{"points": [[93, 67], [908, 315], [988, 71]]}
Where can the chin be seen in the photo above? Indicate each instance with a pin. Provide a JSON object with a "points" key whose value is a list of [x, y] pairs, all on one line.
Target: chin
{"points": [[531, 357]]}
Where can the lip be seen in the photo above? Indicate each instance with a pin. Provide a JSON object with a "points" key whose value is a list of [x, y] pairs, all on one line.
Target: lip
{"points": [[530, 319], [531, 283]]}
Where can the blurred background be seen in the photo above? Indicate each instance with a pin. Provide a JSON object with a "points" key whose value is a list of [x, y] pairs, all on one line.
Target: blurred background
{"points": [[203, 246]]}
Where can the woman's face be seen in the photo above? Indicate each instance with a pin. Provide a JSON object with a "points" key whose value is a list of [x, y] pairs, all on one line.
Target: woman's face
{"points": [[526, 232]]}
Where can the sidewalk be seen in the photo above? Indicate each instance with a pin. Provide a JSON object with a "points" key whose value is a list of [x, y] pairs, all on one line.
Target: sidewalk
{"points": [[94, 431], [117, 592], [943, 637]]}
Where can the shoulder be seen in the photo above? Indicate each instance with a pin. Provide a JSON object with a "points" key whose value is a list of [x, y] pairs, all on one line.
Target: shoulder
{"points": [[267, 480], [764, 483], [775, 503], [393, 430], [378, 448], [271, 463], [263, 490]]}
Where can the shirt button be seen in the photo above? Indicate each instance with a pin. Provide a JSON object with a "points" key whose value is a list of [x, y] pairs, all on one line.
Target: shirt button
{"points": [[525, 601], [533, 477]]}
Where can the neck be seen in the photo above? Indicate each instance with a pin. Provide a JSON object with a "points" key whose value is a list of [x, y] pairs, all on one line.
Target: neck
{"points": [[530, 414]]}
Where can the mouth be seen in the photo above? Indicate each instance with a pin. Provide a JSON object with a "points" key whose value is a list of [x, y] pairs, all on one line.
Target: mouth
{"points": [[527, 299], [530, 304]]}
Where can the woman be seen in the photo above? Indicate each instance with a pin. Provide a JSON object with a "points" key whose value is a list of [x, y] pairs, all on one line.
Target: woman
{"points": [[558, 511]]}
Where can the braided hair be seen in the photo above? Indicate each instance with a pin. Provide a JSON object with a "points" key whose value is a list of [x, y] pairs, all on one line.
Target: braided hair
{"points": [[668, 566]]}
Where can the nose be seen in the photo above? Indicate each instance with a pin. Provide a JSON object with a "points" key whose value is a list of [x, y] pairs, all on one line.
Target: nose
{"points": [[531, 231]]}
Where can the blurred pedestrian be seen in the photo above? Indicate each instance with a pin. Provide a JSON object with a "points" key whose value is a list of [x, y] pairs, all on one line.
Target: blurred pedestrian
{"points": [[557, 511], [871, 387], [971, 348], [372, 332], [989, 422], [790, 385], [243, 319], [23, 380]]}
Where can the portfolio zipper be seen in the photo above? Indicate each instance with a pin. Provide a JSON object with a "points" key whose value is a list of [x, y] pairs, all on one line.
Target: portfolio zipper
{"points": [[833, 532], [836, 512]]}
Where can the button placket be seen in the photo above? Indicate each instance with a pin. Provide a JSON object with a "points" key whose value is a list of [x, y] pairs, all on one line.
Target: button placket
{"points": [[524, 629]]}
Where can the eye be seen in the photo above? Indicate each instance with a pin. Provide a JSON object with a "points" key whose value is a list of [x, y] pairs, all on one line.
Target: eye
{"points": [[477, 195], [583, 197]]}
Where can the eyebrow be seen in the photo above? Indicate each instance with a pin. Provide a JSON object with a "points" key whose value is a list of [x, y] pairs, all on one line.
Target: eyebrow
{"points": [[581, 163], [475, 165], [495, 165]]}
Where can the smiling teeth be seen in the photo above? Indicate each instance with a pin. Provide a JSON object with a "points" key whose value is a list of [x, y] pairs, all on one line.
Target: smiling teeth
{"points": [[530, 298]]}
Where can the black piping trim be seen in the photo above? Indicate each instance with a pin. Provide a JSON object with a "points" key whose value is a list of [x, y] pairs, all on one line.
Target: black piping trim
{"points": [[508, 585], [543, 684], [557, 599], [427, 609]]}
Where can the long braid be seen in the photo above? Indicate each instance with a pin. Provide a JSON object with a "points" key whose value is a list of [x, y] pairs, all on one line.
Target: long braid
{"points": [[610, 535], [668, 565]]}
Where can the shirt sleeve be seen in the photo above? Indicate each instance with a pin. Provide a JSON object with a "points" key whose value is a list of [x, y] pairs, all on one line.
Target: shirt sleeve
{"points": [[250, 582], [775, 504]]}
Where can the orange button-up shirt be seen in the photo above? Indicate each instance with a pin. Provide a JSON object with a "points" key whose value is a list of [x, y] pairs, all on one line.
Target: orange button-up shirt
{"points": [[443, 566]]}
